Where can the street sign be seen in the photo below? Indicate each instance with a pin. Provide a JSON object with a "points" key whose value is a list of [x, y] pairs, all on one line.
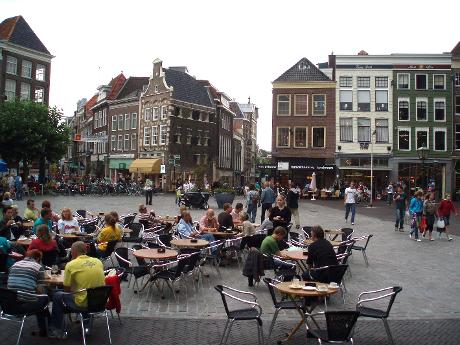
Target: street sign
{"points": [[176, 156], [162, 169], [91, 138]]}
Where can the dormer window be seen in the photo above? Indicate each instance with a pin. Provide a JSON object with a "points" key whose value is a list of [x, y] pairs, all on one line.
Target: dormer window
{"points": [[156, 88]]}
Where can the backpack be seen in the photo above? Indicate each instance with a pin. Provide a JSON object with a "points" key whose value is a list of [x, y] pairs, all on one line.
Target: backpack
{"points": [[254, 197]]}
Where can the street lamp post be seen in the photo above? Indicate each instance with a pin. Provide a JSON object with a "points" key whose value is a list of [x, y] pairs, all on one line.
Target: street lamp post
{"points": [[372, 169], [422, 153]]}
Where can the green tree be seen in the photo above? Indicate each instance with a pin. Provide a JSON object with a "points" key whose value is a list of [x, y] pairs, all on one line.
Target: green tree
{"points": [[32, 132]]}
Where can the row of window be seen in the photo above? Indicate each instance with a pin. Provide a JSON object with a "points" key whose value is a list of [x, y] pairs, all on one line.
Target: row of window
{"points": [[421, 109], [26, 68], [364, 100], [151, 135], [283, 137], [119, 123], [100, 118], [363, 82], [422, 136], [300, 106], [153, 114], [420, 81], [127, 142], [10, 92], [363, 130], [225, 151]]}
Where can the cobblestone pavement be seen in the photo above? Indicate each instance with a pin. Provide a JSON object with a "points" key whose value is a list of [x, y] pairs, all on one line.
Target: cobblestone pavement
{"points": [[190, 332], [427, 271]]}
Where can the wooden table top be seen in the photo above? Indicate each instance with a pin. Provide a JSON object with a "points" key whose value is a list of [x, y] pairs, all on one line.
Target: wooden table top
{"points": [[75, 235], [286, 289], [333, 232], [54, 279], [186, 243], [168, 219], [294, 254], [334, 243], [221, 233], [153, 254], [24, 243]]}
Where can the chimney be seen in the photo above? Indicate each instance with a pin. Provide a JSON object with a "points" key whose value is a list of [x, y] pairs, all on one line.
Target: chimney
{"points": [[332, 64], [157, 67], [249, 100]]}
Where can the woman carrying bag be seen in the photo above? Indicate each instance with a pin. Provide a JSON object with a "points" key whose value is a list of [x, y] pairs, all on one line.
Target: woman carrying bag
{"points": [[429, 211]]}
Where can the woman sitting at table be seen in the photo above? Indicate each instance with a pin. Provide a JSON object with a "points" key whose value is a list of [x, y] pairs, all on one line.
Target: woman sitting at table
{"points": [[209, 222], [246, 226], [67, 224], [280, 214], [43, 242], [186, 228], [5, 248], [110, 233]]}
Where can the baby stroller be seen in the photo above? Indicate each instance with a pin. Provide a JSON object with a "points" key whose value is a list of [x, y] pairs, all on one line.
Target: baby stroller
{"points": [[195, 200]]}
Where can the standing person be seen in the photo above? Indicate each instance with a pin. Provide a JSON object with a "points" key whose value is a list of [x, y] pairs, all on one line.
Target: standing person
{"points": [[350, 202], [429, 211], [400, 208], [148, 188], [416, 207], [445, 208], [252, 202], [18, 187], [280, 215], [293, 196], [266, 199], [390, 192]]}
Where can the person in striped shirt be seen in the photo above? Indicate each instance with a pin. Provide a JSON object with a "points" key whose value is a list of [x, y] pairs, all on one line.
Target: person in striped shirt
{"points": [[25, 276]]}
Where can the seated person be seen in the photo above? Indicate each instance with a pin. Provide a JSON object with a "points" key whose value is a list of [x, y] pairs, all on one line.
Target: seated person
{"points": [[145, 217], [320, 253], [225, 219], [269, 245], [111, 232], [246, 226], [45, 218], [31, 213], [5, 248], [17, 229], [25, 276], [81, 273], [7, 201], [54, 216], [209, 222], [267, 224], [8, 223], [236, 213], [43, 242], [182, 208], [67, 224], [186, 228]]}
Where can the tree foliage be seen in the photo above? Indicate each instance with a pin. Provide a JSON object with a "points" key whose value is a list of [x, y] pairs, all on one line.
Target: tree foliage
{"points": [[31, 131]]}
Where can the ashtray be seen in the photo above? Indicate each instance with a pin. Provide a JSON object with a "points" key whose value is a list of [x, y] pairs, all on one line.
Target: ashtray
{"points": [[194, 240], [161, 250]]}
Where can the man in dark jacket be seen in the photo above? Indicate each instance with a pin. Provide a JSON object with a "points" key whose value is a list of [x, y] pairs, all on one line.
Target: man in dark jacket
{"points": [[293, 196], [267, 198]]}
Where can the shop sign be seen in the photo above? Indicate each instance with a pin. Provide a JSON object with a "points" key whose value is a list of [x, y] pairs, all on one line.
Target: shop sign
{"points": [[312, 167], [283, 165], [265, 166]]}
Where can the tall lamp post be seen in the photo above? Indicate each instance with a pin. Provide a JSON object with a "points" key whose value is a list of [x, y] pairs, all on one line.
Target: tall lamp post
{"points": [[422, 153], [372, 169]]}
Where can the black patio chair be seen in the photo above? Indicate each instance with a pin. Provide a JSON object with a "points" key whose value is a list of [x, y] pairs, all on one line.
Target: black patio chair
{"points": [[172, 274], [136, 235], [362, 249], [307, 231], [346, 233], [252, 312], [89, 227], [284, 271], [374, 313], [339, 327], [107, 254], [128, 219], [279, 304], [122, 256], [12, 309], [82, 213], [329, 274]]}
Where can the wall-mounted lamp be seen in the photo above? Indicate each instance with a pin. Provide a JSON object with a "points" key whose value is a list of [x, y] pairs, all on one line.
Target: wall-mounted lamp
{"points": [[339, 148]]}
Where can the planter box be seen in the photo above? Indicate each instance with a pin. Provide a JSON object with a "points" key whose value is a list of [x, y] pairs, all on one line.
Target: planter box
{"points": [[222, 198]]}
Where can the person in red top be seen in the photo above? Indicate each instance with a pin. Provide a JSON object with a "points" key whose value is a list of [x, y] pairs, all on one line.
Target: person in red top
{"points": [[43, 242], [445, 208]]}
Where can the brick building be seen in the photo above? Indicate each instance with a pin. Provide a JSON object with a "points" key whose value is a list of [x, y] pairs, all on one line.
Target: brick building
{"points": [[456, 118], [25, 62]]}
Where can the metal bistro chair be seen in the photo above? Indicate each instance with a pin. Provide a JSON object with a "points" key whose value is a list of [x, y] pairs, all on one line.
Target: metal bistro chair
{"points": [[339, 327], [362, 249], [13, 310], [107, 255], [122, 256], [128, 219], [374, 313], [346, 233], [328, 274], [253, 312], [136, 235]]}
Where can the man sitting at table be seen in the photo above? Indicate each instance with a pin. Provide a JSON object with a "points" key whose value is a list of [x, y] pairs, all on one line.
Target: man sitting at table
{"points": [[224, 218], [31, 213], [45, 218], [186, 228], [25, 276], [236, 213], [7, 224], [269, 245], [82, 272], [208, 222], [320, 253]]}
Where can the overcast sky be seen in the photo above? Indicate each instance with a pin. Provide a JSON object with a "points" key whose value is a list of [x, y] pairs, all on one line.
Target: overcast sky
{"points": [[240, 46]]}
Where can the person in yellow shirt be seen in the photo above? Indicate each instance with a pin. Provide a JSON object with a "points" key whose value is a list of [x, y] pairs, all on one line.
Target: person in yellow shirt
{"points": [[31, 213], [110, 233], [82, 272]]}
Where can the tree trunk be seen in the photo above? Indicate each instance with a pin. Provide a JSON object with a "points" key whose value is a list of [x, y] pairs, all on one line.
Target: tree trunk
{"points": [[41, 170]]}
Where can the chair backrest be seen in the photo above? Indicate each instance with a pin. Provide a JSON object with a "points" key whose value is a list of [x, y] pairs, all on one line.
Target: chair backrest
{"points": [[220, 290], [89, 227], [165, 239], [271, 288], [367, 238], [333, 273], [110, 247], [81, 213], [255, 241], [347, 232], [97, 298], [340, 324], [128, 219], [307, 231], [181, 265], [122, 255], [9, 301], [193, 261], [396, 290], [49, 258], [346, 247], [137, 228]]}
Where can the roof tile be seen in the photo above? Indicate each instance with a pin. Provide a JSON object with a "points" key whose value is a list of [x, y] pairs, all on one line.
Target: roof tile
{"points": [[302, 71]]}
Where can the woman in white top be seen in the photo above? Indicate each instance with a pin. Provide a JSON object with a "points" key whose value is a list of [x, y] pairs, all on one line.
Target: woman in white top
{"points": [[67, 223]]}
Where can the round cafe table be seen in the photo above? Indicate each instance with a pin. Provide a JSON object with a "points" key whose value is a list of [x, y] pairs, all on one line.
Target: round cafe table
{"points": [[298, 256], [334, 243], [153, 254], [54, 279], [187, 243], [311, 295]]}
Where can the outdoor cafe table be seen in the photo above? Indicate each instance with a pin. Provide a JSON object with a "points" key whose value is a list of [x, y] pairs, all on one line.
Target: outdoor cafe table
{"points": [[187, 243], [167, 219], [54, 279], [334, 243], [333, 233], [312, 295], [221, 233], [298, 256]]}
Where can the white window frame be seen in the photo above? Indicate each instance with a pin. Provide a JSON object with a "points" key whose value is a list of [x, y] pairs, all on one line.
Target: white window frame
{"points": [[133, 141], [133, 120], [127, 121], [313, 104], [443, 100], [11, 65], [397, 81], [43, 94], [155, 113], [415, 81], [440, 129], [114, 123], [26, 66], [40, 76], [163, 135], [146, 139], [104, 116], [422, 129], [289, 136], [277, 105], [147, 114], [444, 76], [375, 129], [306, 137], [348, 77], [126, 142], [419, 99], [120, 142], [455, 136], [154, 135], [164, 112], [295, 104], [340, 132], [325, 137], [10, 93], [22, 93], [113, 142], [409, 129], [408, 101], [121, 121]]}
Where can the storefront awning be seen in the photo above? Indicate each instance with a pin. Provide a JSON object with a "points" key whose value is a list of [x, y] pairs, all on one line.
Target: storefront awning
{"points": [[146, 166]]}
